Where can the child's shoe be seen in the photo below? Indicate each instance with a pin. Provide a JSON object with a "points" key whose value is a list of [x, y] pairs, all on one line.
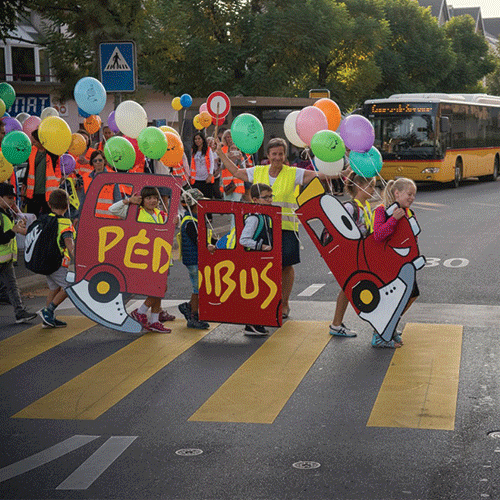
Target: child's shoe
{"points": [[194, 322], [157, 327], [164, 316], [379, 342], [142, 319], [342, 331], [185, 309], [47, 317], [25, 316], [59, 324], [255, 331]]}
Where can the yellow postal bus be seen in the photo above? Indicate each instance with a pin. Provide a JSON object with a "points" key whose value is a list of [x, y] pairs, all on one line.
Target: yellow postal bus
{"points": [[437, 137]]}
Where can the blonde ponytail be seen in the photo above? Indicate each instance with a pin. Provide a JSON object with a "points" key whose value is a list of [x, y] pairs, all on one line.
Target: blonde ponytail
{"points": [[398, 185]]}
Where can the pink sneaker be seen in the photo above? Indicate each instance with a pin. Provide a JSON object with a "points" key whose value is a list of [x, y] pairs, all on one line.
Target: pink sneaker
{"points": [[140, 318], [164, 316], [158, 327]]}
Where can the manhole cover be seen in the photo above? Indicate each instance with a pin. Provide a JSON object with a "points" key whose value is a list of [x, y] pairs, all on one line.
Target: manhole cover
{"points": [[494, 434], [189, 452], [306, 465]]}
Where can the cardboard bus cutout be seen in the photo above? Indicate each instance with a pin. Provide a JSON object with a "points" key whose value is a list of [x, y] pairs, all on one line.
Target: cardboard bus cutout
{"points": [[115, 256], [238, 285], [377, 277]]}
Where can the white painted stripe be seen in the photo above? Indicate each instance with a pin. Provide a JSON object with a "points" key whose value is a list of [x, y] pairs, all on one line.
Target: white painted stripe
{"points": [[83, 477], [44, 456], [311, 290]]}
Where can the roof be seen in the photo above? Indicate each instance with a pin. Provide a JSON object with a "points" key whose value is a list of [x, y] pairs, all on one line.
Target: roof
{"points": [[439, 9], [492, 26]]}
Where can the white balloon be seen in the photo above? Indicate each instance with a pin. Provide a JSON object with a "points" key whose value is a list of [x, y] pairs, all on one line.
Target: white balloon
{"points": [[291, 131], [22, 117], [49, 112], [329, 168], [131, 118]]}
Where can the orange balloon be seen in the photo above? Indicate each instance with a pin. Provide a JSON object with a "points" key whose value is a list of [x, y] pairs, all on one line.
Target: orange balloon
{"points": [[331, 111], [78, 144], [175, 150], [92, 123], [205, 119]]}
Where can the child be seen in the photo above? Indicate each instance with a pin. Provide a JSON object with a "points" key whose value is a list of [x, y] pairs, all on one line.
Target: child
{"points": [[58, 204], [401, 191], [148, 202], [8, 251], [252, 239], [361, 190], [189, 250]]}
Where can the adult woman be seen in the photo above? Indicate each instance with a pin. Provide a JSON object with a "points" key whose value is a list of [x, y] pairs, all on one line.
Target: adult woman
{"points": [[99, 164], [202, 166]]}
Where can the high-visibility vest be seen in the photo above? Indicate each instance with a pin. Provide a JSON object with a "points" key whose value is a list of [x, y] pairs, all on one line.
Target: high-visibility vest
{"points": [[210, 178], [283, 193], [83, 168], [8, 251], [179, 170], [87, 178], [226, 178], [100, 146], [145, 216], [368, 214], [52, 175]]}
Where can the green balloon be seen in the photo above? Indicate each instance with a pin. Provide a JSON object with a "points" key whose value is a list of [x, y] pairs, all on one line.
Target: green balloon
{"points": [[152, 142], [327, 146], [366, 164], [16, 147], [247, 133], [120, 153], [7, 94]]}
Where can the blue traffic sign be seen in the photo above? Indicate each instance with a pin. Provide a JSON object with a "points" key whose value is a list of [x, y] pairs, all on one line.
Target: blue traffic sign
{"points": [[118, 66]]}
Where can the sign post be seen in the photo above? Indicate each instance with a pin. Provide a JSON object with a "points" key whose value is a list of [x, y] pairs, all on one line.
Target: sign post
{"points": [[118, 66]]}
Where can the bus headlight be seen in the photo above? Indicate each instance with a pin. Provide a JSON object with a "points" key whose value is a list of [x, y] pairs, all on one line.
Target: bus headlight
{"points": [[430, 170]]}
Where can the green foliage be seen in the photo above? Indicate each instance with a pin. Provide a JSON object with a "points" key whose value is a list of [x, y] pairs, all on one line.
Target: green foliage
{"points": [[493, 79], [10, 12]]}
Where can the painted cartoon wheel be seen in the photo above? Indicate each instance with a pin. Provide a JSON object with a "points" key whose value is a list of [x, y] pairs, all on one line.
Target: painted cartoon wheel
{"points": [[104, 287], [366, 296]]}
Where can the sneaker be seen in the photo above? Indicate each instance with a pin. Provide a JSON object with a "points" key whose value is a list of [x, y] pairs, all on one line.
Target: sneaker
{"points": [[25, 316], [255, 331], [47, 317], [185, 309], [164, 316], [157, 327], [342, 331], [379, 342], [142, 319], [59, 324], [194, 322]]}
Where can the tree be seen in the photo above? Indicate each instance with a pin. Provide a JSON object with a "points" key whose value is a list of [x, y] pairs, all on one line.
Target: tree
{"points": [[10, 12], [493, 79]]}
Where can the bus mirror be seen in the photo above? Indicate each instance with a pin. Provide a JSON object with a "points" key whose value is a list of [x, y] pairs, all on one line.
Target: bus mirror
{"points": [[444, 125]]}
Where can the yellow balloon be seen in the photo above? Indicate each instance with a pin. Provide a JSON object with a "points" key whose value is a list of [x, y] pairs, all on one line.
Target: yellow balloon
{"points": [[166, 128], [6, 168], [55, 135], [2, 107], [196, 122], [176, 103]]}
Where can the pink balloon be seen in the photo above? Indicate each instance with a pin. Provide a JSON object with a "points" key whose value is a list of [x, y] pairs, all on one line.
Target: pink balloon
{"points": [[30, 125], [203, 107], [309, 121]]}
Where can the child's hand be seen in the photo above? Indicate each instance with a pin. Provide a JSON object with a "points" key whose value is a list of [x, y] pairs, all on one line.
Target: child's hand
{"points": [[19, 227], [211, 248], [267, 248], [135, 199], [398, 213]]}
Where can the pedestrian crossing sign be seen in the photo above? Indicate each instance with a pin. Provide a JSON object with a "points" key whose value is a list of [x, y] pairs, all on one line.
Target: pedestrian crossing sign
{"points": [[118, 66]]}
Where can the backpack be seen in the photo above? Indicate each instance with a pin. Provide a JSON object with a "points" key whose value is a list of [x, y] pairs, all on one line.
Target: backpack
{"points": [[42, 254]]}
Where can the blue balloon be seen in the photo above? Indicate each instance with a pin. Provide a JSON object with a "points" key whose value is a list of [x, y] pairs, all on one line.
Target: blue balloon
{"points": [[90, 95], [82, 113], [6, 114], [366, 164], [186, 100]]}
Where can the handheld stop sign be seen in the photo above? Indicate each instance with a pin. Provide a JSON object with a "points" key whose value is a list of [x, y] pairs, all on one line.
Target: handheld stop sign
{"points": [[218, 104]]}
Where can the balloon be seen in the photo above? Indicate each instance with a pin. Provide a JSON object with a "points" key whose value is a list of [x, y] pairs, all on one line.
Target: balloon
{"points": [[332, 112], [196, 122], [291, 130], [6, 168], [247, 133], [112, 123], [203, 107], [90, 95], [31, 124], [2, 107], [329, 168], [16, 147], [78, 144], [186, 100], [166, 128], [367, 164], [309, 121], [176, 103], [11, 124], [131, 118], [220, 122], [22, 117], [152, 142], [358, 133], [55, 135], [205, 119], [7, 94], [175, 150], [120, 153], [327, 146], [92, 123], [67, 163], [49, 112]]}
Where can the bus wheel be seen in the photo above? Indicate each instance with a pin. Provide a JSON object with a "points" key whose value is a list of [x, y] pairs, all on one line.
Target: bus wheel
{"points": [[494, 175], [458, 173]]}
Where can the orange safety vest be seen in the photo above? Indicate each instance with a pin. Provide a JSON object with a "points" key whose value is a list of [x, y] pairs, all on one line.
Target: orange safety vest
{"points": [[179, 171], [83, 168], [52, 176], [226, 178], [100, 146], [13, 180], [87, 179], [210, 178], [105, 200]]}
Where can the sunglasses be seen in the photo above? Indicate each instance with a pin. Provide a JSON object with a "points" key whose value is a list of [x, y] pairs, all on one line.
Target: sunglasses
{"points": [[97, 159]]}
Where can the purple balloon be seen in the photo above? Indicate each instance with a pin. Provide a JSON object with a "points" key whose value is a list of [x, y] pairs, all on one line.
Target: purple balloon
{"points": [[357, 133], [112, 123], [67, 163], [11, 124]]}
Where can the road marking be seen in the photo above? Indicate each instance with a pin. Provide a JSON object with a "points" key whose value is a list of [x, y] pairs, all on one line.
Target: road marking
{"points": [[95, 391], [260, 388], [28, 344], [311, 290], [421, 385], [83, 477], [44, 457]]}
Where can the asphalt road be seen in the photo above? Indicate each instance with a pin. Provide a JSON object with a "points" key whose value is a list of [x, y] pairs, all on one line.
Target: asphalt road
{"points": [[78, 421]]}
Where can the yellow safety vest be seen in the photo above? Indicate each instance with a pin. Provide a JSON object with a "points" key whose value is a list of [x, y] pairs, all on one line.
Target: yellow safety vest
{"points": [[147, 217], [8, 251], [367, 214], [283, 192]]}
